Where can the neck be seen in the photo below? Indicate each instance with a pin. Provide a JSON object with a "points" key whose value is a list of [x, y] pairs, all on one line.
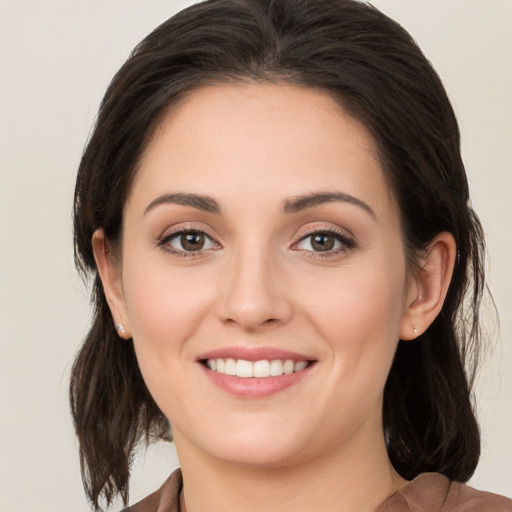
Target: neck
{"points": [[356, 477]]}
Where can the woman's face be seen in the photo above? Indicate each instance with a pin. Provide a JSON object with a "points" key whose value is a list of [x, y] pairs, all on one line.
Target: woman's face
{"points": [[260, 237]]}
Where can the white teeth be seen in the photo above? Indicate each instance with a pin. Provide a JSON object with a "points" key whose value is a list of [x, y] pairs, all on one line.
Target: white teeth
{"points": [[300, 365], [288, 367], [262, 368], [244, 368], [230, 367], [258, 369], [276, 367]]}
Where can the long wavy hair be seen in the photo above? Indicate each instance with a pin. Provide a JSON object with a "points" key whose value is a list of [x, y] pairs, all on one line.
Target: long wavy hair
{"points": [[375, 70]]}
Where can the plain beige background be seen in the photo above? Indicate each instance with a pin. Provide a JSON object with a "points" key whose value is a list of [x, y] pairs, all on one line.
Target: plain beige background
{"points": [[56, 58]]}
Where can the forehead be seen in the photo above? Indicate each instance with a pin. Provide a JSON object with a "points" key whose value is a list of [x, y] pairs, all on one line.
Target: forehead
{"points": [[271, 141]]}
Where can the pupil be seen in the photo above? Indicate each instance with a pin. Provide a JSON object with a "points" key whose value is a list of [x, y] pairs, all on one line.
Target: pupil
{"points": [[192, 241], [322, 242]]}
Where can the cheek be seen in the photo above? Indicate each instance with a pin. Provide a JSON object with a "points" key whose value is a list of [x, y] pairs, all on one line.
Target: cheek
{"points": [[163, 301], [358, 312], [165, 309], [359, 298]]}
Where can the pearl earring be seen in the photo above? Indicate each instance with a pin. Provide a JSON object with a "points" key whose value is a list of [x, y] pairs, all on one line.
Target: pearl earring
{"points": [[120, 329], [415, 330]]}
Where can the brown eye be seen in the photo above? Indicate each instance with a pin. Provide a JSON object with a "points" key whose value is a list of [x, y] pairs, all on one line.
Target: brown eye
{"points": [[322, 242], [192, 241], [326, 242], [188, 241]]}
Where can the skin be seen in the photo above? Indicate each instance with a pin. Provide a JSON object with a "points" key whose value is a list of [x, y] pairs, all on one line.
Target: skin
{"points": [[319, 444]]}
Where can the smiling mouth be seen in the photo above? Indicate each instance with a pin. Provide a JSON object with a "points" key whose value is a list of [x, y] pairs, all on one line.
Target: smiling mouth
{"points": [[261, 369]]}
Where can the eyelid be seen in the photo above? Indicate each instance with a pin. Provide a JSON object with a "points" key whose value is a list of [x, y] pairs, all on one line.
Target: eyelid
{"points": [[347, 240], [344, 236], [311, 229], [182, 227], [163, 240]]}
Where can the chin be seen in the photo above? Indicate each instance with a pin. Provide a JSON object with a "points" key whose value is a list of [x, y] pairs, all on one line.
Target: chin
{"points": [[261, 444], [261, 454]]}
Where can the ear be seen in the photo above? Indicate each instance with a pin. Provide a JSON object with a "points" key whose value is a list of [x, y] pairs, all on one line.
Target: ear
{"points": [[110, 274], [429, 286]]}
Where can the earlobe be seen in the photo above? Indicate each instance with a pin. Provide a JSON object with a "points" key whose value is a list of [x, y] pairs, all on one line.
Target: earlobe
{"points": [[429, 286], [110, 274]]}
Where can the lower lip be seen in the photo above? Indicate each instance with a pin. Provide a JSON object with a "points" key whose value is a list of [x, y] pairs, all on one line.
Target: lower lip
{"points": [[252, 387]]}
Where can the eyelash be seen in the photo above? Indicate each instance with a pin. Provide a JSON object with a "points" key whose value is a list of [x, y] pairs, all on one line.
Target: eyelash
{"points": [[346, 242], [164, 243]]}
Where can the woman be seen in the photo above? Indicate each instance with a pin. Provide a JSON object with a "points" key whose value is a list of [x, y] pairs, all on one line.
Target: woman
{"points": [[275, 211]]}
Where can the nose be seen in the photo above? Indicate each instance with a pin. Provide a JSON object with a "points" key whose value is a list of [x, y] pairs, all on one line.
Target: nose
{"points": [[254, 292]]}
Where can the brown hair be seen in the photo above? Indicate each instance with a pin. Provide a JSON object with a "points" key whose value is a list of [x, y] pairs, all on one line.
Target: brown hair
{"points": [[373, 67]]}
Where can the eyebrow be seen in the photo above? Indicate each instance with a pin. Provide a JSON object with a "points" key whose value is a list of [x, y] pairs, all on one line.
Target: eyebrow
{"points": [[297, 204], [200, 202], [308, 201]]}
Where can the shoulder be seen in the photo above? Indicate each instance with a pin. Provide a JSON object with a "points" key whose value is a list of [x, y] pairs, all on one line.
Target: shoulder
{"points": [[166, 498], [432, 492], [468, 499]]}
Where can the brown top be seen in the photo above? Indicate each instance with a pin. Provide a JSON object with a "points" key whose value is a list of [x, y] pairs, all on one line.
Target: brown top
{"points": [[428, 492]]}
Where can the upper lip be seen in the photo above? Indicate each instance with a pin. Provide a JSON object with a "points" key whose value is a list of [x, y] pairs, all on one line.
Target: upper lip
{"points": [[253, 354]]}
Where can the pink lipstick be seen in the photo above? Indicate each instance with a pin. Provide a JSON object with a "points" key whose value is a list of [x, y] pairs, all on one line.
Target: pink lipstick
{"points": [[255, 372]]}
